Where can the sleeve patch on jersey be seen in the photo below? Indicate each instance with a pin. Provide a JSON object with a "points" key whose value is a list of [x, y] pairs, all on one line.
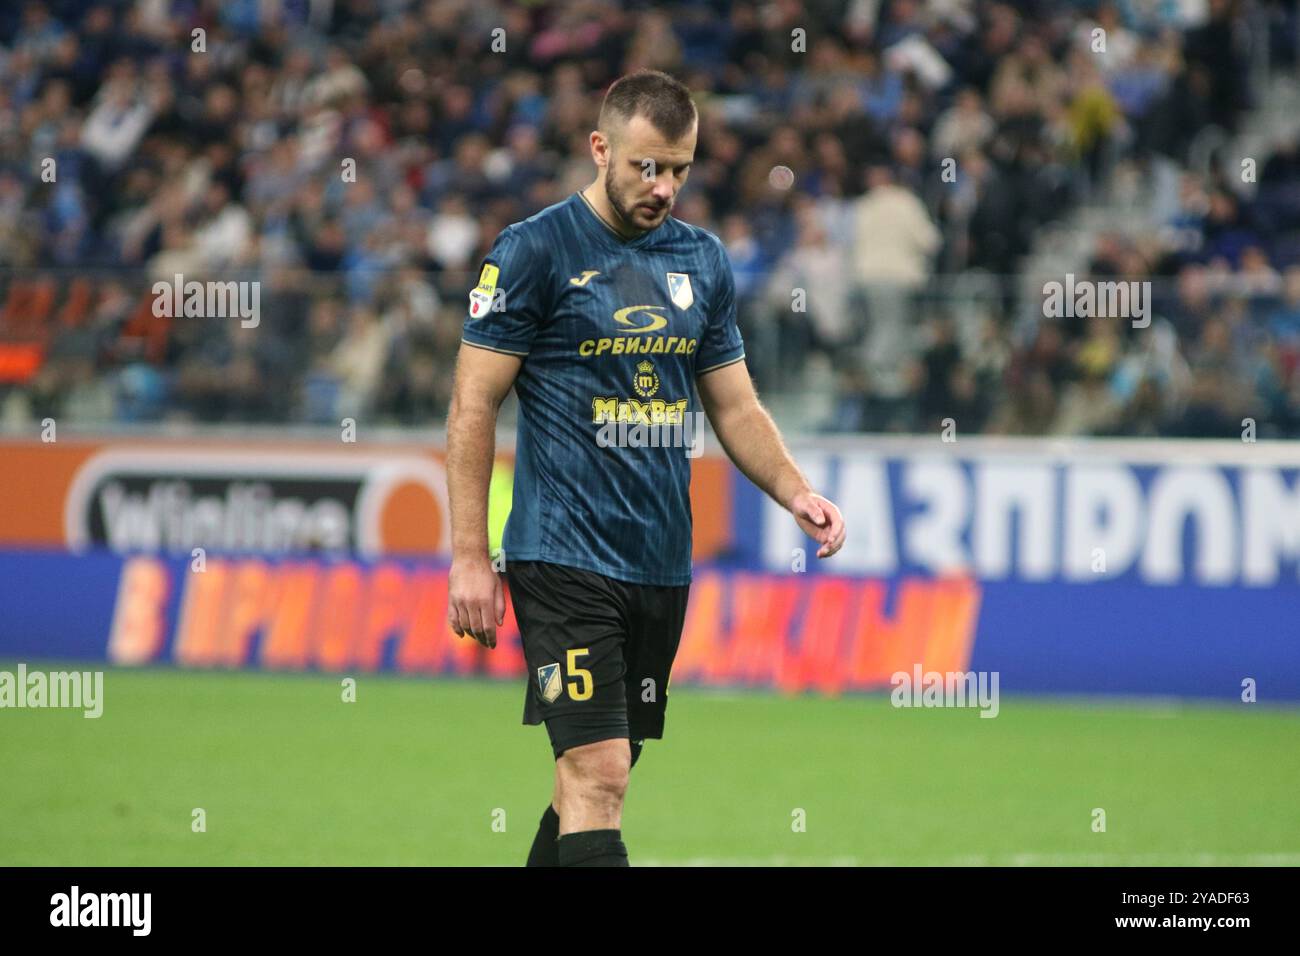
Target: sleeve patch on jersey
{"points": [[487, 280], [479, 302]]}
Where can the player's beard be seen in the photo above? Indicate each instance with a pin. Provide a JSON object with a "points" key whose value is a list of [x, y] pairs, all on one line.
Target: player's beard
{"points": [[625, 210]]}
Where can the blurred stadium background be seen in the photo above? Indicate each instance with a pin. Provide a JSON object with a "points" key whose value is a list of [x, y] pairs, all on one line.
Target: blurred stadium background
{"points": [[232, 517]]}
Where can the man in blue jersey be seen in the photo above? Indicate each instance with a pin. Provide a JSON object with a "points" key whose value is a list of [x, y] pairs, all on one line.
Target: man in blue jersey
{"points": [[607, 316]]}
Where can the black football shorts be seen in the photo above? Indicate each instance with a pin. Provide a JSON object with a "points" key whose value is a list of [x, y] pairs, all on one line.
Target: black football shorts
{"points": [[599, 651]]}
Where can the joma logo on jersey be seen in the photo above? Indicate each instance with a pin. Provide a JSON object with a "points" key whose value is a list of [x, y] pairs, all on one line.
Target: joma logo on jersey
{"points": [[654, 412]]}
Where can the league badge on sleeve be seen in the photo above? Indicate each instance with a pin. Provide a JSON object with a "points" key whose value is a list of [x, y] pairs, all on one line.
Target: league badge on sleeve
{"points": [[479, 302], [480, 297], [679, 290]]}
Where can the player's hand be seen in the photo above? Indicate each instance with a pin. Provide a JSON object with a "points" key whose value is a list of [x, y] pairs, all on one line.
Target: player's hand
{"points": [[476, 603], [820, 520]]}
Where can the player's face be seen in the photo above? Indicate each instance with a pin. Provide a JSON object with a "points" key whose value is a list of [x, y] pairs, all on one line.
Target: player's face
{"points": [[645, 172]]}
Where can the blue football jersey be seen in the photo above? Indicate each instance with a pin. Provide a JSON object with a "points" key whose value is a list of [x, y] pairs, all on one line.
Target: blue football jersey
{"points": [[612, 333]]}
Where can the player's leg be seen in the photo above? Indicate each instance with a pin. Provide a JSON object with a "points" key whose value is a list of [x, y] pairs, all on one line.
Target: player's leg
{"points": [[593, 781], [545, 850], [573, 627], [592, 761]]}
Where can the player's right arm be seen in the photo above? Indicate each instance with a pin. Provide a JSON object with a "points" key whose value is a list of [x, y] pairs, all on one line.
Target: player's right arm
{"points": [[475, 601], [497, 337]]}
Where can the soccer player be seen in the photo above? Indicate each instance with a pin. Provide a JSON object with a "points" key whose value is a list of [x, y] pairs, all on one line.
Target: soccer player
{"points": [[606, 315]]}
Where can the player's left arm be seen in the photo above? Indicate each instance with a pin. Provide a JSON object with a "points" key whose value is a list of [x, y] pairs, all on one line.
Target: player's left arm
{"points": [[752, 441]]}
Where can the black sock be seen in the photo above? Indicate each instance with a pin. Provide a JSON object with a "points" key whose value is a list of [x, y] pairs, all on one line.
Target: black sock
{"points": [[593, 848], [546, 849]]}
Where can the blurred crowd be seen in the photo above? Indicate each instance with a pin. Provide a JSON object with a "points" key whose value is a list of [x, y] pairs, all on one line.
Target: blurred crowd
{"points": [[358, 158]]}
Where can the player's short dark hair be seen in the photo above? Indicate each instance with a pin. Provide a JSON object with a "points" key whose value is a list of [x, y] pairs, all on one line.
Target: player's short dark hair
{"points": [[664, 101]]}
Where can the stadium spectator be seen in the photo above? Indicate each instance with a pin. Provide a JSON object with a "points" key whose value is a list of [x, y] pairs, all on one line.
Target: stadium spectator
{"points": [[232, 159], [891, 260]]}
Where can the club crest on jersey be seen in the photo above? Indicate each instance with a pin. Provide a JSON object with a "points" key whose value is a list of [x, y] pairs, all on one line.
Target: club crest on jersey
{"points": [[679, 289], [548, 679]]}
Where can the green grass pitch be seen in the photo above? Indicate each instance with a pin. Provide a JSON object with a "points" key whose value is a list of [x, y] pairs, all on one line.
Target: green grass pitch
{"points": [[417, 771]]}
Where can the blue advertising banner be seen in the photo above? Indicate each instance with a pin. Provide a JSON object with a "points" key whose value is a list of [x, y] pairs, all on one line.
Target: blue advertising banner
{"points": [[1120, 567]]}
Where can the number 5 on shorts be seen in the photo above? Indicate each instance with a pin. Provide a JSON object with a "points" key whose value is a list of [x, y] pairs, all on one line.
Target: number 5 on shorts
{"points": [[583, 692]]}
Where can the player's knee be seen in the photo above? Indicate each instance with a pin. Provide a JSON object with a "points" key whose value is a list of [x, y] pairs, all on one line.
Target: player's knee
{"points": [[598, 771], [605, 792], [605, 776]]}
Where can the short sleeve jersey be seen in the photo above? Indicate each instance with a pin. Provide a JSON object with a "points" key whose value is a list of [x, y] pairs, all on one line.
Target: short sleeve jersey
{"points": [[612, 334]]}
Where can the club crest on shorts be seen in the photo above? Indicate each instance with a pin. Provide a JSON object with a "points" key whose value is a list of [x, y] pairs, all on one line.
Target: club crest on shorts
{"points": [[548, 679], [679, 289]]}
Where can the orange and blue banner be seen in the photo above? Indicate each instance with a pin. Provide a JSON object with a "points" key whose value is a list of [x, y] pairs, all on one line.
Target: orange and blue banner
{"points": [[1133, 568]]}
